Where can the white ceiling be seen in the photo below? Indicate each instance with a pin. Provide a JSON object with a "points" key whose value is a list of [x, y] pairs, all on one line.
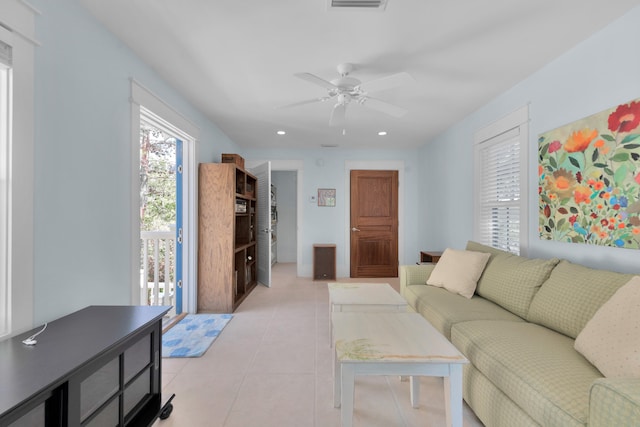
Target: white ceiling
{"points": [[235, 59]]}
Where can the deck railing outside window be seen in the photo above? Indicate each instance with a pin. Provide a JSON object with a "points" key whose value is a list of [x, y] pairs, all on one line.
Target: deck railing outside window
{"points": [[157, 275]]}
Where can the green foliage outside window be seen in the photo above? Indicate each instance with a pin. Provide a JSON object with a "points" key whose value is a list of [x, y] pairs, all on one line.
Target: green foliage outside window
{"points": [[157, 192], [157, 179]]}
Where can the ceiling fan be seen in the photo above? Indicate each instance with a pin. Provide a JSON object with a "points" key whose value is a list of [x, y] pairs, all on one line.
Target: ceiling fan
{"points": [[347, 89]]}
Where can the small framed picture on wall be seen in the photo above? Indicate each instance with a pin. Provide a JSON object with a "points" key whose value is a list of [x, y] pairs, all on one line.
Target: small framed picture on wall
{"points": [[327, 197]]}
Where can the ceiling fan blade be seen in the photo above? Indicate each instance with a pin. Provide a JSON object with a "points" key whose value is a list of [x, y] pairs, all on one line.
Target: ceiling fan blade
{"points": [[388, 82], [316, 80], [308, 101], [384, 107], [338, 115]]}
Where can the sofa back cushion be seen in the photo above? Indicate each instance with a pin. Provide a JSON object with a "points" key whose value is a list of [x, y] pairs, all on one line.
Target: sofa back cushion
{"points": [[572, 295], [509, 280]]}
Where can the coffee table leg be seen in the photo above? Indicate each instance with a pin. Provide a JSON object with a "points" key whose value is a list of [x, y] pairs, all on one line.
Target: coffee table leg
{"points": [[453, 395], [414, 384], [348, 377], [331, 310], [336, 381]]}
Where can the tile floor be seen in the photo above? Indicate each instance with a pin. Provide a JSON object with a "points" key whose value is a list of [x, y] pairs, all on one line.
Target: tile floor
{"points": [[271, 366]]}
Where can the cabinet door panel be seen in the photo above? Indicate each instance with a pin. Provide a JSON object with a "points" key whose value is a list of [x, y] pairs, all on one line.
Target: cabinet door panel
{"points": [[99, 387], [136, 391], [34, 417], [136, 358], [108, 417]]}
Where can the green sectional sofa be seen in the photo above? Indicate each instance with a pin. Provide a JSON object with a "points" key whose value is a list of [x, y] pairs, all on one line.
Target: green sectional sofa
{"points": [[518, 332]]}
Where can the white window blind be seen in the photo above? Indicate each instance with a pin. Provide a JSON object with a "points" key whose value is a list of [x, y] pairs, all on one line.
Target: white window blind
{"points": [[500, 187], [499, 193]]}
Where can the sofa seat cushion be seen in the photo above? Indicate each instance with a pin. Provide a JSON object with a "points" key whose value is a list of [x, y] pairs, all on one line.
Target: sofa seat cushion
{"points": [[536, 367], [444, 309], [511, 280], [572, 295], [489, 403]]}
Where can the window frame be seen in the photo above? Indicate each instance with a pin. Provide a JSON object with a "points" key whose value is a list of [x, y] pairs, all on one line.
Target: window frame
{"points": [[5, 197], [17, 30], [514, 126]]}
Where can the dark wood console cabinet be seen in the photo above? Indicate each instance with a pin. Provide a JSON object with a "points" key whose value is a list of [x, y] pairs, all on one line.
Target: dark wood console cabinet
{"points": [[100, 366]]}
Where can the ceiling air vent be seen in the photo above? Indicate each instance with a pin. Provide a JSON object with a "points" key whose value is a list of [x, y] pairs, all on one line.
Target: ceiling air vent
{"points": [[379, 5]]}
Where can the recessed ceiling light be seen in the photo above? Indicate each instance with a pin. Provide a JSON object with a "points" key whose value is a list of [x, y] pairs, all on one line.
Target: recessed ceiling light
{"points": [[382, 133], [281, 132]]}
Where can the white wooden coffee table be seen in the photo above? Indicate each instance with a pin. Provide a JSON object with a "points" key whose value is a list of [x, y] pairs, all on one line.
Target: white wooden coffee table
{"points": [[364, 297], [386, 343]]}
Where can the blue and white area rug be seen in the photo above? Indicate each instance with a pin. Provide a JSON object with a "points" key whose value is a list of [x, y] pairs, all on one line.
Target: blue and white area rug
{"points": [[192, 336]]}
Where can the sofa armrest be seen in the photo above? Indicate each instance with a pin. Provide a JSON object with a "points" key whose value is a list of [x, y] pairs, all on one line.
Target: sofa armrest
{"points": [[614, 402], [414, 275]]}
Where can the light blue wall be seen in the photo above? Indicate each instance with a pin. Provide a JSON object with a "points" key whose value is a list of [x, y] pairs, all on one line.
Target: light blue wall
{"points": [[83, 159], [325, 168], [601, 72]]}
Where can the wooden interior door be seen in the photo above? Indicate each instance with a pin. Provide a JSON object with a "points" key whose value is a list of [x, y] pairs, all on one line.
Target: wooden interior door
{"points": [[374, 223]]}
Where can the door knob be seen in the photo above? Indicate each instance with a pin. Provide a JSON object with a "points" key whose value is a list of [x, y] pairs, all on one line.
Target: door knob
{"points": [[355, 229]]}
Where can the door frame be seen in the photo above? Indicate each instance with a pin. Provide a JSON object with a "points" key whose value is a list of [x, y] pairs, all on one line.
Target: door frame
{"points": [[143, 96], [296, 166], [349, 165]]}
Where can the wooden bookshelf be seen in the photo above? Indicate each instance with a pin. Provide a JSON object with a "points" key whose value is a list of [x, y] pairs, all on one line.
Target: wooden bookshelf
{"points": [[227, 229]]}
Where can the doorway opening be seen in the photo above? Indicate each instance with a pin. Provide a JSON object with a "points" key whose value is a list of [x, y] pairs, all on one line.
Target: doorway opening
{"points": [[160, 214], [176, 137], [162, 208], [284, 221], [288, 198]]}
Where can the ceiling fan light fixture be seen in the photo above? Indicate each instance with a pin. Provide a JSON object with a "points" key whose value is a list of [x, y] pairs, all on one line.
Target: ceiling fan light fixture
{"points": [[281, 132], [347, 89], [382, 133]]}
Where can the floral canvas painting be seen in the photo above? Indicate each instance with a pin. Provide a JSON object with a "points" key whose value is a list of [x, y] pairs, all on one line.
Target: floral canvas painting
{"points": [[589, 179]]}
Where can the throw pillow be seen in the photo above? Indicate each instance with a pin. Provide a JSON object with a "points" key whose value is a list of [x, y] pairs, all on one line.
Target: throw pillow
{"points": [[611, 339], [459, 271]]}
